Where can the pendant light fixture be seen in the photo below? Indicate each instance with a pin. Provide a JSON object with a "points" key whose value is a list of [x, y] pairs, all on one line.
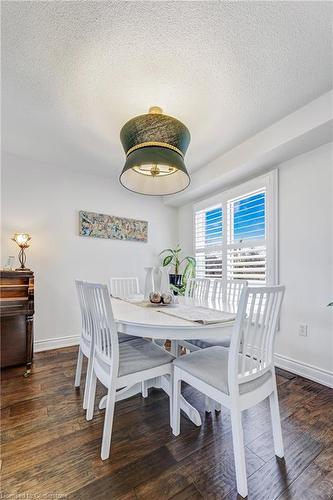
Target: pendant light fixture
{"points": [[155, 145]]}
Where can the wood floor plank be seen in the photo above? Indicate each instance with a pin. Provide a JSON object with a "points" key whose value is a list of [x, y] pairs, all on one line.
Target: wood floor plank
{"points": [[129, 477], [277, 474], [315, 482], [218, 480], [189, 493]]}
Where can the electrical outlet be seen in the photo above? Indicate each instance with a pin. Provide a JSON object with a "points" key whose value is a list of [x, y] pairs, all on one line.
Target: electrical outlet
{"points": [[303, 330]]}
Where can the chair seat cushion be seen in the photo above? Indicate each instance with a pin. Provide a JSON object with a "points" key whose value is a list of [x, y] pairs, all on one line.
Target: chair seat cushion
{"points": [[211, 366], [139, 355], [123, 337], [204, 343]]}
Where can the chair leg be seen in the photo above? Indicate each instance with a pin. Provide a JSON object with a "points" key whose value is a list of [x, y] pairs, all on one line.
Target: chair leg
{"points": [[218, 407], [78, 368], [108, 421], [88, 383], [144, 388], [211, 405], [239, 452], [171, 400], [208, 405], [276, 423], [176, 391], [91, 396]]}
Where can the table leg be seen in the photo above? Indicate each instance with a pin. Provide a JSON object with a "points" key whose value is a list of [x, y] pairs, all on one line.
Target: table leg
{"points": [[174, 348], [161, 383]]}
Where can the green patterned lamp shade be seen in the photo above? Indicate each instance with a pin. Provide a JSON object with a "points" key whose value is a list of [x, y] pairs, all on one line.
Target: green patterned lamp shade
{"points": [[155, 146]]}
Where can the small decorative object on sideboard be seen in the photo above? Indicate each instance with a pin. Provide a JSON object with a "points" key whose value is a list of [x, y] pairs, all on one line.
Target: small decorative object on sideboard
{"points": [[178, 281], [22, 240], [16, 318], [10, 263]]}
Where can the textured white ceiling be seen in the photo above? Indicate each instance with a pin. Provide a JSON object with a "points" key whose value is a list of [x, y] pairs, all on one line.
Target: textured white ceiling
{"points": [[74, 72]]}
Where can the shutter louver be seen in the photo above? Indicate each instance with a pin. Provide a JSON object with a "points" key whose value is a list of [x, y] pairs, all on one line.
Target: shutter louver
{"points": [[208, 242]]}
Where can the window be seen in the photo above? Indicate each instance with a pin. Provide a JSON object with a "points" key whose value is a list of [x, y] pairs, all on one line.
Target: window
{"points": [[246, 247], [235, 233], [208, 242]]}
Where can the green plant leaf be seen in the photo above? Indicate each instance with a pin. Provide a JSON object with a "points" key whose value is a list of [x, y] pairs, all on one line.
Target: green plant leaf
{"points": [[167, 250], [167, 260], [330, 304], [192, 260]]}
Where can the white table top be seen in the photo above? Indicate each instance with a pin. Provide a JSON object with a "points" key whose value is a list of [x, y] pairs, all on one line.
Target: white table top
{"points": [[147, 321]]}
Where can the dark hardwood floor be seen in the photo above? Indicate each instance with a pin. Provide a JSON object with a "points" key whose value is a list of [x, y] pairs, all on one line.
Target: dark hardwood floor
{"points": [[49, 450]]}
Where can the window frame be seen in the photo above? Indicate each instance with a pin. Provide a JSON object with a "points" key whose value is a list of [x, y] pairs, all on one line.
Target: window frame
{"points": [[269, 181]]}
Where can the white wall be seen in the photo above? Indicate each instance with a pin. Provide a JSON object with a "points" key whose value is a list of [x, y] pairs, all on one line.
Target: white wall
{"points": [[45, 201], [305, 261], [306, 257]]}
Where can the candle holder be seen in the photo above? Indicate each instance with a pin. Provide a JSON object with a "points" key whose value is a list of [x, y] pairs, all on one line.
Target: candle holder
{"points": [[22, 240]]}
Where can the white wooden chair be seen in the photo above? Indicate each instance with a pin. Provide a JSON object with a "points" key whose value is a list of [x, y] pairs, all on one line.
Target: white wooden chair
{"points": [[229, 295], [124, 287], [198, 288], [118, 366], [242, 376], [85, 345]]}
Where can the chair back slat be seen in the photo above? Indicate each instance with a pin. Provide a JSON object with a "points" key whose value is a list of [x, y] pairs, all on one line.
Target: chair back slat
{"points": [[85, 318], [104, 327], [124, 287], [218, 294], [228, 292], [234, 290], [198, 288], [252, 341]]}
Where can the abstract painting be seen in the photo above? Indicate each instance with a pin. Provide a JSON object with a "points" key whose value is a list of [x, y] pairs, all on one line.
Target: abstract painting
{"points": [[112, 227]]}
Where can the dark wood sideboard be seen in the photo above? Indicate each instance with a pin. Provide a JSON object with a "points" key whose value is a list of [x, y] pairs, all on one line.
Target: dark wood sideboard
{"points": [[16, 315]]}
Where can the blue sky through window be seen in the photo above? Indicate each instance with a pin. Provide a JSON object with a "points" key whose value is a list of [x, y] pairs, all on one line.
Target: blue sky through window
{"points": [[213, 226], [249, 217], [248, 220]]}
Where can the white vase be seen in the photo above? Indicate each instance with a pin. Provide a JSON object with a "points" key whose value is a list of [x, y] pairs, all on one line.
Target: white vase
{"points": [[149, 282], [165, 283], [157, 278]]}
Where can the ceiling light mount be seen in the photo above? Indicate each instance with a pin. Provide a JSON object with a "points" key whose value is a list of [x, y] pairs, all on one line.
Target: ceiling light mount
{"points": [[155, 145]]}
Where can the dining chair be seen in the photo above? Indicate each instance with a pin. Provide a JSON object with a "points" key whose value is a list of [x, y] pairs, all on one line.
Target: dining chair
{"points": [[229, 296], [243, 375], [118, 366], [124, 287], [198, 288], [86, 339]]}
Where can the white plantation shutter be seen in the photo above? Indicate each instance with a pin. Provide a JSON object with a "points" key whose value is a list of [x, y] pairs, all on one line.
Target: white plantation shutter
{"points": [[208, 242], [235, 233], [246, 245]]}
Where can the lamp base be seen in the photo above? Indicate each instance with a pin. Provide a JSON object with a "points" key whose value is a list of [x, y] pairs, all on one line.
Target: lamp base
{"points": [[22, 269]]}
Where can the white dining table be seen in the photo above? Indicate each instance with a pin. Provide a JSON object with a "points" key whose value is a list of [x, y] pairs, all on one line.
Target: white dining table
{"points": [[150, 322]]}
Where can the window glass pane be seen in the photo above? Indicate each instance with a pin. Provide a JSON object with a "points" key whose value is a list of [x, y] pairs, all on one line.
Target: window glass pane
{"points": [[249, 217], [213, 226]]}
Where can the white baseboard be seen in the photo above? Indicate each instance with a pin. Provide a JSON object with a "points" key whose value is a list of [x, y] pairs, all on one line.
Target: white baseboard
{"points": [[305, 370], [45, 345]]}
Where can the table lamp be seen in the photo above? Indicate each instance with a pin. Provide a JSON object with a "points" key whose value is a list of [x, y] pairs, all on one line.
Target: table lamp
{"points": [[22, 240]]}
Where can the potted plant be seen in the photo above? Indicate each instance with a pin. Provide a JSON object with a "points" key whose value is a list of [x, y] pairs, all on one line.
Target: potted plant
{"points": [[177, 280]]}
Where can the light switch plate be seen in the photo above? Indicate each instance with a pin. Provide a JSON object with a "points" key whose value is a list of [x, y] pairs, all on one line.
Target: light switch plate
{"points": [[303, 330]]}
